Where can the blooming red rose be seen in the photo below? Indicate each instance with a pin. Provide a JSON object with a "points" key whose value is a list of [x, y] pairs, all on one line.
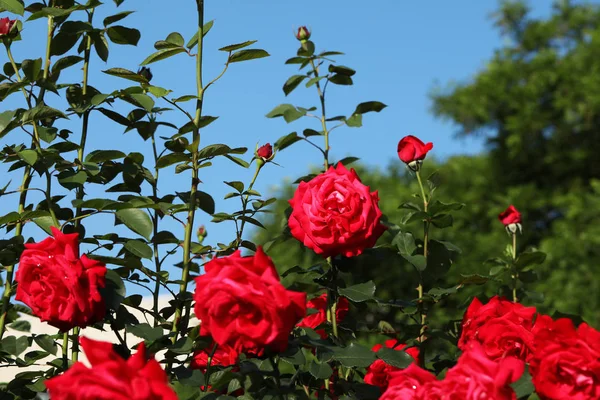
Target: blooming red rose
{"points": [[111, 377], [242, 304], [566, 361], [404, 384], [502, 327], [6, 25], [475, 377], [223, 356], [411, 148], [334, 213], [379, 373], [303, 33], [60, 287], [510, 216], [265, 151], [320, 317]]}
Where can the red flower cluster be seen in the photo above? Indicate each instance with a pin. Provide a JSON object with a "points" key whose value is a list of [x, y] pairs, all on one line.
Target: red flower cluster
{"points": [[60, 287], [111, 377], [243, 305], [320, 317], [564, 361], [378, 373], [334, 213], [474, 377]]}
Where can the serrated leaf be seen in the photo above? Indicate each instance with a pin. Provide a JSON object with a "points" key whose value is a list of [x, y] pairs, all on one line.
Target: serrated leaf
{"points": [[237, 46], [359, 293], [139, 248], [246, 55], [292, 83], [354, 355], [162, 54], [137, 220]]}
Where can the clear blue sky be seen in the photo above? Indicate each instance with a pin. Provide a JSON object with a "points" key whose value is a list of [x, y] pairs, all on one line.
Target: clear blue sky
{"points": [[401, 50]]}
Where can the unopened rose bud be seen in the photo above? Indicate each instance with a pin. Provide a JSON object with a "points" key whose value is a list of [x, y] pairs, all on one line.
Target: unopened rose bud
{"points": [[6, 24], [303, 34], [412, 151], [145, 72], [201, 234], [265, 151], [511, 218]]}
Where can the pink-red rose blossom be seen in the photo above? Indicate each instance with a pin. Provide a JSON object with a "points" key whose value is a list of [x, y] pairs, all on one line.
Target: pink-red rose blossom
{"points": [[336, 214], [243, 305], [378, 373], [60, 287], [320, 317], [411, 148], [502, 327], [566, 361], [111, 377]]}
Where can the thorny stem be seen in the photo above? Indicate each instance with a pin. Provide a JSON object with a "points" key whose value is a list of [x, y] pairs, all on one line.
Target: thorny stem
{"points": [[332, 299], [515, 273], [323, 115], [194, 186], [155, 219], [75, 351], [65, 351], [245, 204], [425, 254]]}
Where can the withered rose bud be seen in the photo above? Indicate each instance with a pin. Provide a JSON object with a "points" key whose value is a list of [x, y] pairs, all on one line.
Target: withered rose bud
{"points": [[303, 34], [145, 72]]}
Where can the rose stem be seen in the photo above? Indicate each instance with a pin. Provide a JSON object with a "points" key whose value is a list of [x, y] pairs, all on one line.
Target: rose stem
{"points": [[323, 114], [515, 273], [259, 165], [194, 186], [425, 253]]}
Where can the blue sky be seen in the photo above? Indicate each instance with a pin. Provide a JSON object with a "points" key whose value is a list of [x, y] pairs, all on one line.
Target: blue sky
{"points": [[401, 49]]}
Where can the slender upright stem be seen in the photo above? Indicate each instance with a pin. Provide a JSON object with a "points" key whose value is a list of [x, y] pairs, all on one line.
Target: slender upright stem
{"points": [[245, 202], [65, 351], [155, 219], [515, 275], [425, 254], [323, 114], [332, 299], [187, 242], [75, 349]]}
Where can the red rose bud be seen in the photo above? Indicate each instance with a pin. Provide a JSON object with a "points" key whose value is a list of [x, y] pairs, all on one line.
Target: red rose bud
{"points": [[6, 25], [511, 218], [201, 234], [412, 151], [303, 34], [265, 152]]}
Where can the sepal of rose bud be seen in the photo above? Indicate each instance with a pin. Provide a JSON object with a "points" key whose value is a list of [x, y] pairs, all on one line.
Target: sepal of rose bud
{"points": [[145, 72], [512, 228], [415, 165], [201, 234], [303, 34]]}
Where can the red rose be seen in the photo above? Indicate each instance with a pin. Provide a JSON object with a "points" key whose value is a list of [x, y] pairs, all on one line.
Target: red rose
{"points": [[265, 151], [320, 304], [111, 377], [411, 148], [6, 25], [510, 216], [378, 373], [476, 377], [60, 287], [223, 356], [242, 303], [335, 213], [502, 327], [404, 384], [303, 33], [566, 361]]}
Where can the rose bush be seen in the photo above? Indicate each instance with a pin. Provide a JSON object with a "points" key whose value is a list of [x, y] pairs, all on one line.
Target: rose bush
{"points": [[234, 324]]}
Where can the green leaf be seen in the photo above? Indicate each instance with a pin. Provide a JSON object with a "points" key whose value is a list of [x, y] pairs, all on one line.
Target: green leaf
{"points": [[146, 332], [194, 40], [320, 370], [369, 106], [524, 386], [237, 185], [355, 121], [359, 293], [126, 74], [114, 18], [29, 156], [99, 156], [395, 358], [5, 119], [46, 343], [12, 216], [437, 207], [13, 6], [292, 83], [287, 111], [342, 70], [287, 140], [21, 326], [32, 68], [529, 258], [314, 80], [15, 346], [245, 55], [45, 223], [175, 38], [100, 45], [137, 220], [214, 150], [41, 112], [139, 248], [162, 54], [142, 100], [171, 159], [340, 79], [354, 355], [405, 242], [237, 46], [120, 35], [65, 62]]}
